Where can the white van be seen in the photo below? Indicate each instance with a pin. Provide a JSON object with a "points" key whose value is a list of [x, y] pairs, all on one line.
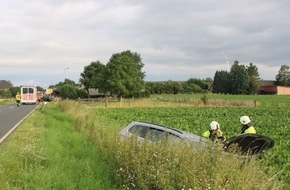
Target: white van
{"points": [[28, 95]]}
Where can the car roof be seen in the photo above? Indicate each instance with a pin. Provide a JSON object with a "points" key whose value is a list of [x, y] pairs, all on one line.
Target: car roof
{"points": [[181, 133]]}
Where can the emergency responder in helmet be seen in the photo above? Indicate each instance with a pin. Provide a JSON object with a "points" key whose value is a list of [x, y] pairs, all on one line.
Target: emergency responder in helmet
{"points": [[214, 132], [18, 98], [247, 125]]}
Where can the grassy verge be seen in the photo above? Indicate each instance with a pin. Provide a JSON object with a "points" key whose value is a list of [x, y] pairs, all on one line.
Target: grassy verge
{"points": [[80, 149], [6, 101], [45, 152], [167, 166]]}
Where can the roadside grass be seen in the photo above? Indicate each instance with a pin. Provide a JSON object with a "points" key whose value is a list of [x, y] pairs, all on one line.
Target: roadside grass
{"points": [[45, 152], [7, 101], [166, 166], [70, 146]]}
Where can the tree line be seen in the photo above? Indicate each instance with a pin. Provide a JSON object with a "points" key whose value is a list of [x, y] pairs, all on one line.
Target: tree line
{"points": [[122, 76]]}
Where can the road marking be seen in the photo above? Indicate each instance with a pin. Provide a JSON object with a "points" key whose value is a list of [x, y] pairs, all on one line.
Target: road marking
{"points": [[13, 128]]}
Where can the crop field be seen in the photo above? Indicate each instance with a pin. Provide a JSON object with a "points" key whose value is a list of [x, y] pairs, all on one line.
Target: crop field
{"points": [[271, 117]]}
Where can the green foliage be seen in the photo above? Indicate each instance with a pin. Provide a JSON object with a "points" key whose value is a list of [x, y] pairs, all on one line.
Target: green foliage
{"points": [[38, 88], [45, 152], [65, 82], [6, 101], [221, 83], [137, 60], [13, 91], [67, 91], [193, 85], [271, 119], [81, 93], [204, 99], [239, 79], [123, 75], [283, 76], [176, 87], [93, 76], [168, 166], [253, 78]]}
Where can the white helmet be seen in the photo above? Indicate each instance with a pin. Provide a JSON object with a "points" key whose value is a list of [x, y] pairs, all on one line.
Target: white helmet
{"points": [[214, 125], [245, 120]]}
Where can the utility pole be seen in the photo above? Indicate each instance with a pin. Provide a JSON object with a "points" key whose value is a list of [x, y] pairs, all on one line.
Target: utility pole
{"points": [[66, 73]]}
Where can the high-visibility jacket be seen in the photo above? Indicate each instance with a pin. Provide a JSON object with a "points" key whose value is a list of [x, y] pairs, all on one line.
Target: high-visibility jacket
{"points": [[18, 97], [219, 136], [250, 129], [206, 134]]}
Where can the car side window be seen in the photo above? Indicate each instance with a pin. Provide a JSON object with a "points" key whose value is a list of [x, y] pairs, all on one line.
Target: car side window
{"points": [[155, 134], [173, 138], [138, 130]]}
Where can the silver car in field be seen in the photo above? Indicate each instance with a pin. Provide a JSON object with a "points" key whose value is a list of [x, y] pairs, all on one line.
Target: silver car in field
{"points": [[154, 132], [249, 144]]}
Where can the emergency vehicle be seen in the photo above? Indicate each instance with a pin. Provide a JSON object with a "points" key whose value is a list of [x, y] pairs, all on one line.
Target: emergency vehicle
{"points": [[28, 95]]}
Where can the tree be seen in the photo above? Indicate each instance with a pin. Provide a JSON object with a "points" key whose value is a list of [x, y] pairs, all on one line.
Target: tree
{"points": [[137, 60], [13, 91], [239, 79], [123, 74], [194, 85], [254, 78], [39, 88], [93, 76], [209, 83], [283, 76], [67, 91], [221, 82]]}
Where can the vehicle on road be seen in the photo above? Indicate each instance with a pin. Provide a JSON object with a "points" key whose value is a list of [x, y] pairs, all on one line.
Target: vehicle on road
{"points": [[47, 98], [28, 95], [245, 144]]}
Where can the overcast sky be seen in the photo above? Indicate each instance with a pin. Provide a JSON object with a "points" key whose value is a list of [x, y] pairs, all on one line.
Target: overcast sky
{"points": [[177, 40]]}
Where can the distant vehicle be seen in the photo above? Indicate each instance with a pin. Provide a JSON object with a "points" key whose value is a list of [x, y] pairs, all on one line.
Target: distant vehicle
{"points": [[47, 98], [28, 95], [39, 96], [154, 132], [248, 144]]}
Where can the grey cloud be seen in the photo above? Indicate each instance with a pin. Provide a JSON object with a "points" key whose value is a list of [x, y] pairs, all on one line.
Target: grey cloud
{"points": [[181, 36]]}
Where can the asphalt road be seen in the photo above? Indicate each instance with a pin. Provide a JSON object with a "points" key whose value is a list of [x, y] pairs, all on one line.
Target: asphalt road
{"points": [[11, 116]]}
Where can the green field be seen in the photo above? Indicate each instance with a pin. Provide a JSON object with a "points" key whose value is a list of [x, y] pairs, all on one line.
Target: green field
{"points": [[75, 145], [271, 118]]}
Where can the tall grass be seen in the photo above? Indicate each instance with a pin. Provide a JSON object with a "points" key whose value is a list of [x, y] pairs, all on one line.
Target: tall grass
{"points": [[167, 166], [45, 152], [53, 150]]}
